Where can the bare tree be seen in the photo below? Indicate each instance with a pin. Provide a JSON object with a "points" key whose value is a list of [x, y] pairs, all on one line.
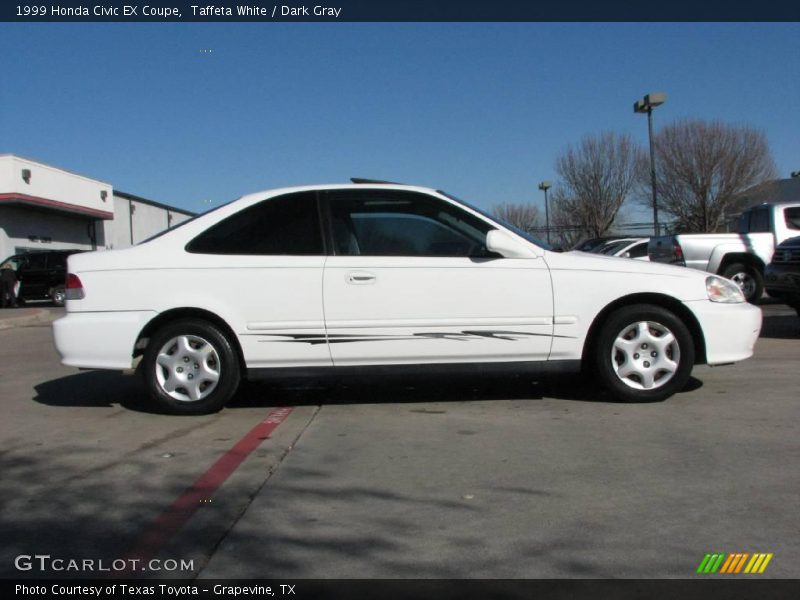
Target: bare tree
{"points": [[701, 167], [565, 229], [597, 176], [520, 214]]}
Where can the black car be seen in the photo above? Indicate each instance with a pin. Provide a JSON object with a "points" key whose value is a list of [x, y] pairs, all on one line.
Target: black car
{"points": [[41, 274], [782, 275]]}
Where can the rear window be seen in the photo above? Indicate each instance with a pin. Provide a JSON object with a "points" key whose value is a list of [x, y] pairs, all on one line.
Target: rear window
{"points": [[639, 250]]}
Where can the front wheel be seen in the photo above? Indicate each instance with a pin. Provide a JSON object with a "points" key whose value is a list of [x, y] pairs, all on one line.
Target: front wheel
{"points": [[748, 278], [191, 368], [644, 353]]}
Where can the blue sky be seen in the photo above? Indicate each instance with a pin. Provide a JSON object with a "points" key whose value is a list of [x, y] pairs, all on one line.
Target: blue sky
{"points": [[480, 110]]}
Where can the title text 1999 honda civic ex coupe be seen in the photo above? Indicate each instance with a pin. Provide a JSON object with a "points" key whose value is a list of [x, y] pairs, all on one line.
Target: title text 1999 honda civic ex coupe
{"points": [[374, 276]]}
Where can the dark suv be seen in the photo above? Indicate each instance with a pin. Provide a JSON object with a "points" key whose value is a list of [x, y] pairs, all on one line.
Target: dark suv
{"points": [[41, 274], [782, 275]]}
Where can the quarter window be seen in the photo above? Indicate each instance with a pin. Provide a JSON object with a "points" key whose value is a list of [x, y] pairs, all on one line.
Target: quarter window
{"points": [[286, 225]]}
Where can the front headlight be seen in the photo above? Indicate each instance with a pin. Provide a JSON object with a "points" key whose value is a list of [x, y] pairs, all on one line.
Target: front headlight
{"points": [[724, 290]]}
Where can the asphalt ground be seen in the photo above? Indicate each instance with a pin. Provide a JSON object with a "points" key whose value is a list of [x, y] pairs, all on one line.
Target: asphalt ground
{"points": [[431, 478]]}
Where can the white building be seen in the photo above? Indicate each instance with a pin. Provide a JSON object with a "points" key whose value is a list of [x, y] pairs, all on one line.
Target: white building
{"points": [[47, 208]]}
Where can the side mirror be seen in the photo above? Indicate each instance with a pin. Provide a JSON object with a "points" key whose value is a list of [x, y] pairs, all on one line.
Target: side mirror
{"points": [[626, 255], [507, 246]]}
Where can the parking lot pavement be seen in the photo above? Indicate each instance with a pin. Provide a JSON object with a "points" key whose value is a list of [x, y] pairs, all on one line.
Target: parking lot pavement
{"points": [[480, 477], [11, 318], [87, 469]]}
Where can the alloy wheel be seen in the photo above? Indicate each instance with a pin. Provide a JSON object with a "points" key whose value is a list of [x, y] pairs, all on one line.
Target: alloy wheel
{"points": [[746, 283]]}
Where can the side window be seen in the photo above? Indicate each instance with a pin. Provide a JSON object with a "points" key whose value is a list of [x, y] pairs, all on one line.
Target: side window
{"points": [[57, 261], [759, 221], [387, 223], [743, 224], [792, 216], [286, 225], [35, 260]]}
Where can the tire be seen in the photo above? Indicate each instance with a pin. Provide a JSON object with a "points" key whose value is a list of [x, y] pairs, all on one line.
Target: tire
{"points": [[59, 296], [191, 368], [628, 335], [749, 279]]}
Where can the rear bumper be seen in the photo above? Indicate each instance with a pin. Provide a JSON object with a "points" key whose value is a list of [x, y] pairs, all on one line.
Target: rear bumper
{"points": [[99, 340], [730, 330]]}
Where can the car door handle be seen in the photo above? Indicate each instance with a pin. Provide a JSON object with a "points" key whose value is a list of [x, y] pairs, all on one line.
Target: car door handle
{"points": [[360, 278]]}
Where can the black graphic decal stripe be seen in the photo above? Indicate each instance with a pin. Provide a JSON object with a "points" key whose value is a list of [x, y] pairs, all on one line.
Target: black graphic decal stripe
{"points": [[343, 338]]}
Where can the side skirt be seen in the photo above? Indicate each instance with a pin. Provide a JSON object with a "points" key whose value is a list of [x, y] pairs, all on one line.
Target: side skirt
{"points": [[542, 367]]}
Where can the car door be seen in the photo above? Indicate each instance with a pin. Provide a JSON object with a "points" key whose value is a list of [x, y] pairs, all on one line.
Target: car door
{"points": [[410, 281], [263, 272], [32, 275]]}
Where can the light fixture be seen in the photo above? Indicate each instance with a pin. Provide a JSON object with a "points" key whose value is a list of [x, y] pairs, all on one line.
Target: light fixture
{"points": [[646, 106], [544, 186]]}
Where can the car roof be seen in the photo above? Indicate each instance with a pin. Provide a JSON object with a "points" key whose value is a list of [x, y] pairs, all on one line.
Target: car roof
{"points": [[338, 186]]}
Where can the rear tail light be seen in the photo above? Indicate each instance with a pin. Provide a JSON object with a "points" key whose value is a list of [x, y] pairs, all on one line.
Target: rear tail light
{"points": [[677, 251], [74, 287]]}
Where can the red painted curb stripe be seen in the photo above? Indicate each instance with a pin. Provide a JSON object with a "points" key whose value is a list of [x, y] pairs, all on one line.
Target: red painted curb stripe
{"points": [[181, 510]]}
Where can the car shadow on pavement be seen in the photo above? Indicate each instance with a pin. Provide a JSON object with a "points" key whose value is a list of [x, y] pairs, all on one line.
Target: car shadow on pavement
{"points": [[781, 327], [407, 390], [109, 388], [94, 389]]}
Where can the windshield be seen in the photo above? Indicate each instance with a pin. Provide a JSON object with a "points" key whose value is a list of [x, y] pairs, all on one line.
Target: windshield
{"points": [[613, 247], [495, 219]]}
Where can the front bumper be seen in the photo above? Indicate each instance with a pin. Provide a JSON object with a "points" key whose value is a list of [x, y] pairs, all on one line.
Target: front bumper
{"points": [[783, 279], [730, 330], [99, 340]]}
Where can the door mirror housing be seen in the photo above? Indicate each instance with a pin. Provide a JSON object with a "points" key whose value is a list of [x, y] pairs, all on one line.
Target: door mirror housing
{"points": [[506, 246]]}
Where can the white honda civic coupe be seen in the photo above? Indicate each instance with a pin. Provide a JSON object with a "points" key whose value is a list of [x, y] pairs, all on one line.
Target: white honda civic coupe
{"points": [[383, 276]]}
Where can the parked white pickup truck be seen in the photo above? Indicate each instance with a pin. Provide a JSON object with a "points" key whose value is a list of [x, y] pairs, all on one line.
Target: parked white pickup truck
{"points": [[739, 256]]}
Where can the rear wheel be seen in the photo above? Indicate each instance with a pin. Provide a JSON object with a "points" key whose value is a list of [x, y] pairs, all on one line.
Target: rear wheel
{"points": [[191, 368], [644, 353], [748, 278], [59, 296]]}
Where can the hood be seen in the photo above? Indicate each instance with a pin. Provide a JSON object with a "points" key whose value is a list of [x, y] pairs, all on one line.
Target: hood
{"points": [[587, 261]]}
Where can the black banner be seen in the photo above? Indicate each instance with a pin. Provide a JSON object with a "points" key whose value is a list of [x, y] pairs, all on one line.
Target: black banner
{"points": [[399, 11], [392, 589]]}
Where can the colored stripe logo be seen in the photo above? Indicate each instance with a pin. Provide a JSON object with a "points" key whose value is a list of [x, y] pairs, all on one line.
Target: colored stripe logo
{"points": [[734, 563]]}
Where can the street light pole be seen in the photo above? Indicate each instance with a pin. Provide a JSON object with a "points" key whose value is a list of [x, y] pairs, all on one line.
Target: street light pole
{"points": [[647, 105], [546, 185]]}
